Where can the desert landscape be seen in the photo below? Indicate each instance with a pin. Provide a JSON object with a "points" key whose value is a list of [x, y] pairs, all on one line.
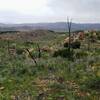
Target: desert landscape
{"points": [[49, 49], [37, 65]]}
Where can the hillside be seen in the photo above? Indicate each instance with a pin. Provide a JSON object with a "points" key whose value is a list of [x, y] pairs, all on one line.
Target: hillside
{"points": [[44, 69], [25, 35], [59, 26], [49, 50]]}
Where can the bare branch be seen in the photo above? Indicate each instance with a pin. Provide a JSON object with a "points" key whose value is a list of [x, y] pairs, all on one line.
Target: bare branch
{"points": [[31, 56]]}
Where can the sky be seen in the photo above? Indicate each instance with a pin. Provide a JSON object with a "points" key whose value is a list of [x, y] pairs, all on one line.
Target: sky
{"points": [[37, 11]]}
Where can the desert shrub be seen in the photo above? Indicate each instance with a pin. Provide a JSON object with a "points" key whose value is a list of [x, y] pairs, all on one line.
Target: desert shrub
{"points": [[34, 54], [73, 45], [76, 45], [64, 53], [17, 71], [22, 71], [98, 37], [97, 51], [92, 39], [87, 34], [28, 43], [19, 51], [93, 83], [57, 86], [81, 54], [66, 45]]}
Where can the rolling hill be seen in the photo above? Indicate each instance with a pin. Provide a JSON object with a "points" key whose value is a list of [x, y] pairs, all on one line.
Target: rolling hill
{"points": [[58, 26]]}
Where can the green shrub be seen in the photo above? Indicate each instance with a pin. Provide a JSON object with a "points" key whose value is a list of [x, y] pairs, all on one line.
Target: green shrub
{"points": [[93, 84], [74, 45], [98, 37], [28, 43], [19, 51], [64, 53], [57, 86], [81, 54], [35, 54], [66, 45]]}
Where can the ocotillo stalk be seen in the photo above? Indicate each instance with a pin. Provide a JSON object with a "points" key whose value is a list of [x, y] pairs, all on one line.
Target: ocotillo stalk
{"points": [[69, 33]]}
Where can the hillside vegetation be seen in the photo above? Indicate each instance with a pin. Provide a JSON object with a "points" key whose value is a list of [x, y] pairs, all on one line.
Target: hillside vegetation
{"points": [[37, 66]]}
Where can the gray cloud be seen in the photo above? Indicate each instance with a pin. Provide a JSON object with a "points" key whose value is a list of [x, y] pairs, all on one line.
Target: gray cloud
{"points": [[77, 9], [58, 10], [76, 5]]}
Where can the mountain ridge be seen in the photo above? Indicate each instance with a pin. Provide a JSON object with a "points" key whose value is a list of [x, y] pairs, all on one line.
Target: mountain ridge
{"points": [[57, 26]]}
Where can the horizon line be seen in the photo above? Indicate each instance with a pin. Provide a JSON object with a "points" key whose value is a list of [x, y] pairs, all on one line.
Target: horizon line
{"points": [[50, 22]]}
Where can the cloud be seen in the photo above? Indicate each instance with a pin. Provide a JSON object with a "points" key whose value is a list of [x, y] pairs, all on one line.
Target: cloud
{"points": [[23, 6], [77, 9], [22, 11]]}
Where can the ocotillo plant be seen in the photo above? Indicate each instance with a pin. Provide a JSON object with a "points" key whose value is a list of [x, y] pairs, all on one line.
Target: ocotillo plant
{"points": [[69, 23]]}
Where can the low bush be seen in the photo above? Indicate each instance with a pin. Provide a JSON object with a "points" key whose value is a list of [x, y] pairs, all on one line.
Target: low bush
{"points": [[74, 45], [19, 51], [98, 37], [93, 84], [81, 54], [64, 53]]}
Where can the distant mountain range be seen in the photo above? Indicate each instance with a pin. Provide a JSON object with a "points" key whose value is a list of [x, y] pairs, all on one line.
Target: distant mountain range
{"points": [[58, 26]]}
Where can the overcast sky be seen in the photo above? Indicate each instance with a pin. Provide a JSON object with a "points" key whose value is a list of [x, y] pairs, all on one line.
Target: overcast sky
{"points": [[34, 11]]}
